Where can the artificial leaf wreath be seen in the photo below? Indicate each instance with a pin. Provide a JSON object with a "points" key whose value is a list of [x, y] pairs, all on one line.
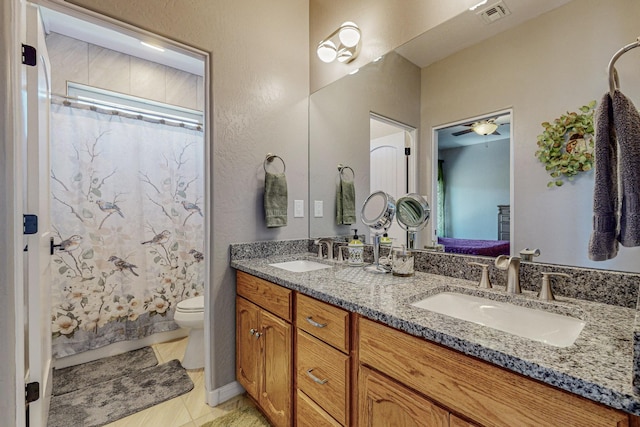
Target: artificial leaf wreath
{"points": [[566, 145]]}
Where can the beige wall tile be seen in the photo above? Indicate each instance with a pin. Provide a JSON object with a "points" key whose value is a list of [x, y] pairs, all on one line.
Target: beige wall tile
{"points": [[69, 61], [181, 88], [109, 69], [148, 79]]}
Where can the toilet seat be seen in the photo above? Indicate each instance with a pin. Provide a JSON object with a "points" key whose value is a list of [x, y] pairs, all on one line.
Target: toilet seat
{"points": [[191, 305]]}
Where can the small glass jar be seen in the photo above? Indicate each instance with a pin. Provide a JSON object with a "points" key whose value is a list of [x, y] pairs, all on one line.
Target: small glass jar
{"points": [[402, 262]]}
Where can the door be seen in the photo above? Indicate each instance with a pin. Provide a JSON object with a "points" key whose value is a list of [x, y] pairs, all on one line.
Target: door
{"points": [[389, 164], [276, 385], [385, 403], [37, 261], [247, 349]]}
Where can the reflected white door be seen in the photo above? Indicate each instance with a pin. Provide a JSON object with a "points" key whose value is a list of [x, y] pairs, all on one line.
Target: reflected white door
{"points": [[389, 172], [37, 262]]}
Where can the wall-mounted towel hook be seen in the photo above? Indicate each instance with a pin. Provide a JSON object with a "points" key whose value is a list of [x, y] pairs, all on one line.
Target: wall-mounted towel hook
{"points": [[270, 158], [614, 81], [341, 169]]}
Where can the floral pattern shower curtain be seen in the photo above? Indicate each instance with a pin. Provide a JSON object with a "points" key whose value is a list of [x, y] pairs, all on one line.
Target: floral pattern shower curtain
{"points": [[127, 199]]}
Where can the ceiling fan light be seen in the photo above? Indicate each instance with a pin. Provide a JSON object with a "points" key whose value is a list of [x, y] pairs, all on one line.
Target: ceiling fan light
{"points": [[327, 51], [349, 34], [484, 127]]}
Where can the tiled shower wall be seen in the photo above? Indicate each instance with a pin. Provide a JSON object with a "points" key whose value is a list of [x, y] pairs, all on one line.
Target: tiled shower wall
{"points": [[80, 62]]}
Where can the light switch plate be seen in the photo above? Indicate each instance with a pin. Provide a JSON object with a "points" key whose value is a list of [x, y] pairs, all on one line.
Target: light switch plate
{"points": [[317, 208], [298, 208]]}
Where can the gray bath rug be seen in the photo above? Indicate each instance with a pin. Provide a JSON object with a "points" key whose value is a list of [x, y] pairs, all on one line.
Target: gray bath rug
{"points": [[80, 376], [109, 401]]}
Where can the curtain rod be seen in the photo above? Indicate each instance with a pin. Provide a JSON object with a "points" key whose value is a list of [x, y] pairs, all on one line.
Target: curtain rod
{"points": [[123, 111]]}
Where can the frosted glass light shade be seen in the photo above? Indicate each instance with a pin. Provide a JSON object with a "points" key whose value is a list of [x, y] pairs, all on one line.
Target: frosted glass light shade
{"points": [[344, 55], [327, 51], [484, 128], [349, 34]]}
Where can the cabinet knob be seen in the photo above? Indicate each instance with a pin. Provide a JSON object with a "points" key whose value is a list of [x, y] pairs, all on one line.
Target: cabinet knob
{"points": [[314, 378], [314, 323], [252, 331], [258, 335]]}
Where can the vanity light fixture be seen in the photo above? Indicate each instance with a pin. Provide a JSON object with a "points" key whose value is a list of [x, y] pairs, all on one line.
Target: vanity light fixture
{"points": [[343, 44], [484, 127]]}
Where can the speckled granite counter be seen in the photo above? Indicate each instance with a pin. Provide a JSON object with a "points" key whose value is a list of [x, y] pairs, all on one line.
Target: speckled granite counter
{"points": [[599, 366]]}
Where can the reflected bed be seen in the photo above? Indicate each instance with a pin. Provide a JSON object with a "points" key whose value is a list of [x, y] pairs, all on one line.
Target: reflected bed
{"points": [[475, 247]]}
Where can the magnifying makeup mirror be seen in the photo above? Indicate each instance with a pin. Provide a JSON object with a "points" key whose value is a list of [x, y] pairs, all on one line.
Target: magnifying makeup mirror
{"points": [[377, 213], [413, 213]]}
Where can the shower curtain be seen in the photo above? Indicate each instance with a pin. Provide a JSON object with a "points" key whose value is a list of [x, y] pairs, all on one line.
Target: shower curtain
{"points": [[127, 211]]}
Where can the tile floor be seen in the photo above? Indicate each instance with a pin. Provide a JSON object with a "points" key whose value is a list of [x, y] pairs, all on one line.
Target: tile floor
{"points": [[188, 410]]}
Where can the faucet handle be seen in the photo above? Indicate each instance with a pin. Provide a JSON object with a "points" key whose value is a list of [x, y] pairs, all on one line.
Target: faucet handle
{"points": [[546, 293], [484, 283]]}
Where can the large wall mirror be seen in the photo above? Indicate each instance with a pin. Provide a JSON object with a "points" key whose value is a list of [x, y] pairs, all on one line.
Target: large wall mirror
{"points": [[463, 70]]}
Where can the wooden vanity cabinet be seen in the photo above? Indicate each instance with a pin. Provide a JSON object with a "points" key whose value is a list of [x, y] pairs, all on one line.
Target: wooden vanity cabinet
{"points": [[479, 391], [323, 363], [264, 346]]}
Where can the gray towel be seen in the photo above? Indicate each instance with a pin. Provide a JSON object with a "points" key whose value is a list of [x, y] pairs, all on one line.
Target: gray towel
{"points": [[275, 199], [603, 244], [627, 125], [617, 130], [345, 202]]}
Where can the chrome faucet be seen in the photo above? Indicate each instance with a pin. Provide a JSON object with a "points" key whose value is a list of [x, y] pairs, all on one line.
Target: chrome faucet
{"points": [[327, 241], [512, 265]]}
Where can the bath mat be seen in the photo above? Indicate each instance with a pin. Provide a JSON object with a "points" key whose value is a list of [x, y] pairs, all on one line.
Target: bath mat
{"points": [[247, 416], [111, 400], [80, 376]]}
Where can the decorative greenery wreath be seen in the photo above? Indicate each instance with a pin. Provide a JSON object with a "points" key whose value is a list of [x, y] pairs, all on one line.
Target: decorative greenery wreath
{"points": [[566, 145]]}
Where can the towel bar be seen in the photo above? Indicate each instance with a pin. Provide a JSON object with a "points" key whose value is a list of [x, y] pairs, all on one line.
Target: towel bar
{"points": [[270, 158], [614, 82]]}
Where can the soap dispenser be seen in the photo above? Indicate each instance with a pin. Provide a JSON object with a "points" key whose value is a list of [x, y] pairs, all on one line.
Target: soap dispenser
{"points": [[356, 251]]}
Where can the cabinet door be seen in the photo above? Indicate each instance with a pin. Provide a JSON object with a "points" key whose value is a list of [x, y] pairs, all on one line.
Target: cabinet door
{"points": [[309, 414], [276, 385], [383, 402], [247, 348]]}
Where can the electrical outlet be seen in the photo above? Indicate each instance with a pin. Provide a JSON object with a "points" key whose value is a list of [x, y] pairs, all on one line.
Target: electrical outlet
{"points": [[317, 208], [298, 208]]}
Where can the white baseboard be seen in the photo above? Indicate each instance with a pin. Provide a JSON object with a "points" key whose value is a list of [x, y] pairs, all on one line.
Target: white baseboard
{"points": [[118, 348], [224, 393]]}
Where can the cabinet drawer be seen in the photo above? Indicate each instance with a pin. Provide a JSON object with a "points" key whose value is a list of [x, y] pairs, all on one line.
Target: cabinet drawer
{"points": [[473, 388], [324, 321], [309, 414], [267, 295], [323, 375]]}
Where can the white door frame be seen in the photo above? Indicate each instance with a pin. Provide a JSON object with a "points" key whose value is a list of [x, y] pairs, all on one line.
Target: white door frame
{"points": [[15, 142], [434, 168]]}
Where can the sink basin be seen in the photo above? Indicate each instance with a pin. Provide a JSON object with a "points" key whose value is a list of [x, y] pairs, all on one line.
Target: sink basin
{"points": [[538, 325], [300, 266]]}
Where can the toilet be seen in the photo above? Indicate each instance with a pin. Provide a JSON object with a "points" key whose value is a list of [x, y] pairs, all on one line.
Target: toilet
{"points": [[190, 314]]}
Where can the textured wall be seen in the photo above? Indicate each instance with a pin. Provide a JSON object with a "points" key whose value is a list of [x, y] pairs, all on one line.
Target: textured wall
{"points": [[81, 62], [385, 25], [259, 88], [550, 65]]}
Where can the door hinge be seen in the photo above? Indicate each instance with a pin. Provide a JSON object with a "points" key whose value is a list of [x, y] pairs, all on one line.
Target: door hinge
{"points": [[30, 224], [32, 392], [29, 55]]}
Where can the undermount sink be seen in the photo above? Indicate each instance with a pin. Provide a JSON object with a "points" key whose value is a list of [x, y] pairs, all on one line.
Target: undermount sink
{"points": [[300, 266], [537, 325]]}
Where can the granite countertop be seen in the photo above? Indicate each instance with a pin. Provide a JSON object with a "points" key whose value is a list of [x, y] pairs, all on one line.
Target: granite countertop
{"points": [[598, 366]]}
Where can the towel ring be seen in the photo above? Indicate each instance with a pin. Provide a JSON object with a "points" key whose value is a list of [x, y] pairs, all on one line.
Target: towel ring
{"points": [[614, 82], [270, 158], [342, 168]]}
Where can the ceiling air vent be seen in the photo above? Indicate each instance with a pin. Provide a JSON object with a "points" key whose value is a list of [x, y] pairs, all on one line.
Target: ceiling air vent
{"points": [[494, 12]]}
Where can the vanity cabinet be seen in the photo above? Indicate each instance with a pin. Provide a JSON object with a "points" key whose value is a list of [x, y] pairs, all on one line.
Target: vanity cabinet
{"points": [[264, 346], [323, 363], [477, 390]]}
